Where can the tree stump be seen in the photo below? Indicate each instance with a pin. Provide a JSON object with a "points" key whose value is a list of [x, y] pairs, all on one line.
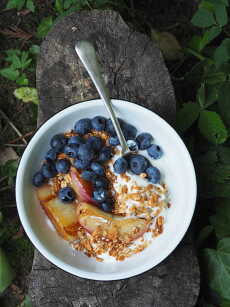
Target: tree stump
{"points": [[134, 70]]}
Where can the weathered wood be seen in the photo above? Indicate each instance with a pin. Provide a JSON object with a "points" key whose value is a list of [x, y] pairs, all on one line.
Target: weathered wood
{"points": [[134, 70]]}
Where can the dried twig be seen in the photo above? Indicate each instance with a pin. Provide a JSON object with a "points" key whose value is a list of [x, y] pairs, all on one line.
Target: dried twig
{"points": [[3, 179], [16, 32], [15, 145], [8, 187], [21, 137], [12, 125]]}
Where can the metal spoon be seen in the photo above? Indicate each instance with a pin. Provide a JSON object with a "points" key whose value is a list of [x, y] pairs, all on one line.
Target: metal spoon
{"points": [[87, 54]]}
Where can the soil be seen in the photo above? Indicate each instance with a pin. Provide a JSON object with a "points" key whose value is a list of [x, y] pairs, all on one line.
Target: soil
{"points": [[164, 15]]}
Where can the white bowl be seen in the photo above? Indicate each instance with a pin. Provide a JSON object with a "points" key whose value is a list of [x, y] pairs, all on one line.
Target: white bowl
{"points": [[176, 167]]}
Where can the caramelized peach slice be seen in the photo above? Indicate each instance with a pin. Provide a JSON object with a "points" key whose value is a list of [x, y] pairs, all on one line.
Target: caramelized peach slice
{"points": [[45, 192], [63, 216], [82, 187], [125, 229]]}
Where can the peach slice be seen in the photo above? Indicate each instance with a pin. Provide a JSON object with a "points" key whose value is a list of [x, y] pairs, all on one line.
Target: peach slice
{"points": [[126, 229], [63, 216], [45, 192], [82, 187]]}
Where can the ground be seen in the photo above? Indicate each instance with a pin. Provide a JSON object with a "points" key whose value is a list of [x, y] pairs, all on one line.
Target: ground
{"points": [[165, 15]]}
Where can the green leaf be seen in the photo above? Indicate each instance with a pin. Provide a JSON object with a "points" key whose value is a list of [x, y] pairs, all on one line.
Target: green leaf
{"points": [[203, 235], [27, 94], [222, 53], [216, 190], [168, 44], [217, 268], [22, 80], [221, 14], [9, 169], [6, 272], [59, 6], [9, 73], [203, 18], [26, 302], [30, 5], [34, 49], [67, 4], [1, 217], [212, 127], [225, 303], [221, 220], [186, 116], [224, 102], [25, 60], [211, 94], [208, 36], [15, 4], [215, 77], [201, 95], [224, 154], [44, 26]]}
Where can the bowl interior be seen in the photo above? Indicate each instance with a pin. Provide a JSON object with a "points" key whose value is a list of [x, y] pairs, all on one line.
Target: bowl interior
{"points": [[175, 166]]}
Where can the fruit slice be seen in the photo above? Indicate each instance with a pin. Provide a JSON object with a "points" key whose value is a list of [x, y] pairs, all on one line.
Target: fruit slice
{"points": [[63, 216], [112, 227], [45, 193], [82, 187]]}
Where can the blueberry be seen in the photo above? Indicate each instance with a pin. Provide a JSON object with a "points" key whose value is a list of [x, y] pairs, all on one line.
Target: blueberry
{"points": [[155, 152], [154, 174], [51, 154], [110, 128], [82, 164], [88, 175], [58, 141], [138, 164], [86, 152], [98, 123], [97, 168], [105, 154], [38, 179], [114, 141], [66, 195], [100, 182], [83, 126], [100, 195], [76, 140], [107, 206], [144, 140], [129, 131], [120, 166], [71, 150], [62, 166], [49, 170], [95, 142]]}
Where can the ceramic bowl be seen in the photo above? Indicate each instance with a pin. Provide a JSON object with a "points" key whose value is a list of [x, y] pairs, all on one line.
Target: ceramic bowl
{"points": [[177, 170]]}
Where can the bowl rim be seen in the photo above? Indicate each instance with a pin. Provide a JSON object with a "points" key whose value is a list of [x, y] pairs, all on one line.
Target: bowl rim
{"points": [[54, 259]]}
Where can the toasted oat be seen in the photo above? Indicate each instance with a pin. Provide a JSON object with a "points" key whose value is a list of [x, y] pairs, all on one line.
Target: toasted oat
{"points": [[143, 175]]}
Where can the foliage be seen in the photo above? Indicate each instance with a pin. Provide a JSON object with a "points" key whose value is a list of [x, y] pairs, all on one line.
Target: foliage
{"points": [[27, 94], [19, 4], [207, 120], [19, 61], [6, 272], [9, 169]]}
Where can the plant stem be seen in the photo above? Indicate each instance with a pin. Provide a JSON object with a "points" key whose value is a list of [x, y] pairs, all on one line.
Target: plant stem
{"points": [[21, 137], [15, 145], [12, 125]]}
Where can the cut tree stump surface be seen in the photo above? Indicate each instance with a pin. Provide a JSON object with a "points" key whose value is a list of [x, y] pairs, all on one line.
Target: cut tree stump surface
{"points": [[135, 71]]}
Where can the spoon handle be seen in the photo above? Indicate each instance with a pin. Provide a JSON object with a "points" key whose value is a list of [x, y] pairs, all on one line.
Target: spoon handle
{"points": [[87, 54]]}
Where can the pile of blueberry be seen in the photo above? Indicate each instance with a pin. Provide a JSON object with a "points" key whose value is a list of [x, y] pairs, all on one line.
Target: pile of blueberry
{"points": [[90, 154]]}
